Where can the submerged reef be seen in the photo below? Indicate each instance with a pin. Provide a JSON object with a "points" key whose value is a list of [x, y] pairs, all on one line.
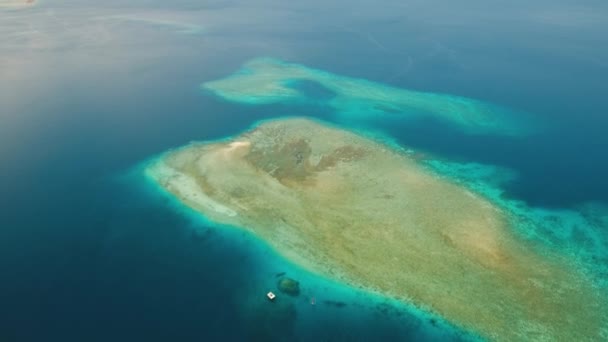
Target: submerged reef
{"points": [[266, 80], [359, 211], [289, 286]]}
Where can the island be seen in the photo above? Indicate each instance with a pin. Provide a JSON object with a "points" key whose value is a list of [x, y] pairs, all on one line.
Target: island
{"points": [[360, 211]]}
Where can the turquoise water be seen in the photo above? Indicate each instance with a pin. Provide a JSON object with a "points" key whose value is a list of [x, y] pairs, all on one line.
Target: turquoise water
{"points": [[90, 252]]}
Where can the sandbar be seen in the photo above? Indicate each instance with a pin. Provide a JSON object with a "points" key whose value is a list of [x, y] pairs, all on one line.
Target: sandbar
{"points": [[354, 209]]}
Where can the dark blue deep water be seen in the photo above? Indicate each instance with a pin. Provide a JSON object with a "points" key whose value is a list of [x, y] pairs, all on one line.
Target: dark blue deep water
{"points": [[89, 90]]}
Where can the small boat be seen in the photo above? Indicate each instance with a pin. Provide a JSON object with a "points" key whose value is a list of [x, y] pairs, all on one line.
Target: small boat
{"points": [[271, 295], [313, 301]]}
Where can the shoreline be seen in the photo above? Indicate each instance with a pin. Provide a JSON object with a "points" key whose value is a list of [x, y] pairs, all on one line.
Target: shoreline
{"points": [[199, 219]]}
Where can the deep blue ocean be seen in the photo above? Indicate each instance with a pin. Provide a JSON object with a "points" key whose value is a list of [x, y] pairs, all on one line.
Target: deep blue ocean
{"points": [[88, 91]]}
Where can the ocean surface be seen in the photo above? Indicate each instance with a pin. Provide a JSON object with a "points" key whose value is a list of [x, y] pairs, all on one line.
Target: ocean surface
{"points": [[90, 252]]}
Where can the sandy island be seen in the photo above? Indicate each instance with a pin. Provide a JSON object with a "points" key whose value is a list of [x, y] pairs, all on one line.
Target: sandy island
{"points": [[351, 208]]}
